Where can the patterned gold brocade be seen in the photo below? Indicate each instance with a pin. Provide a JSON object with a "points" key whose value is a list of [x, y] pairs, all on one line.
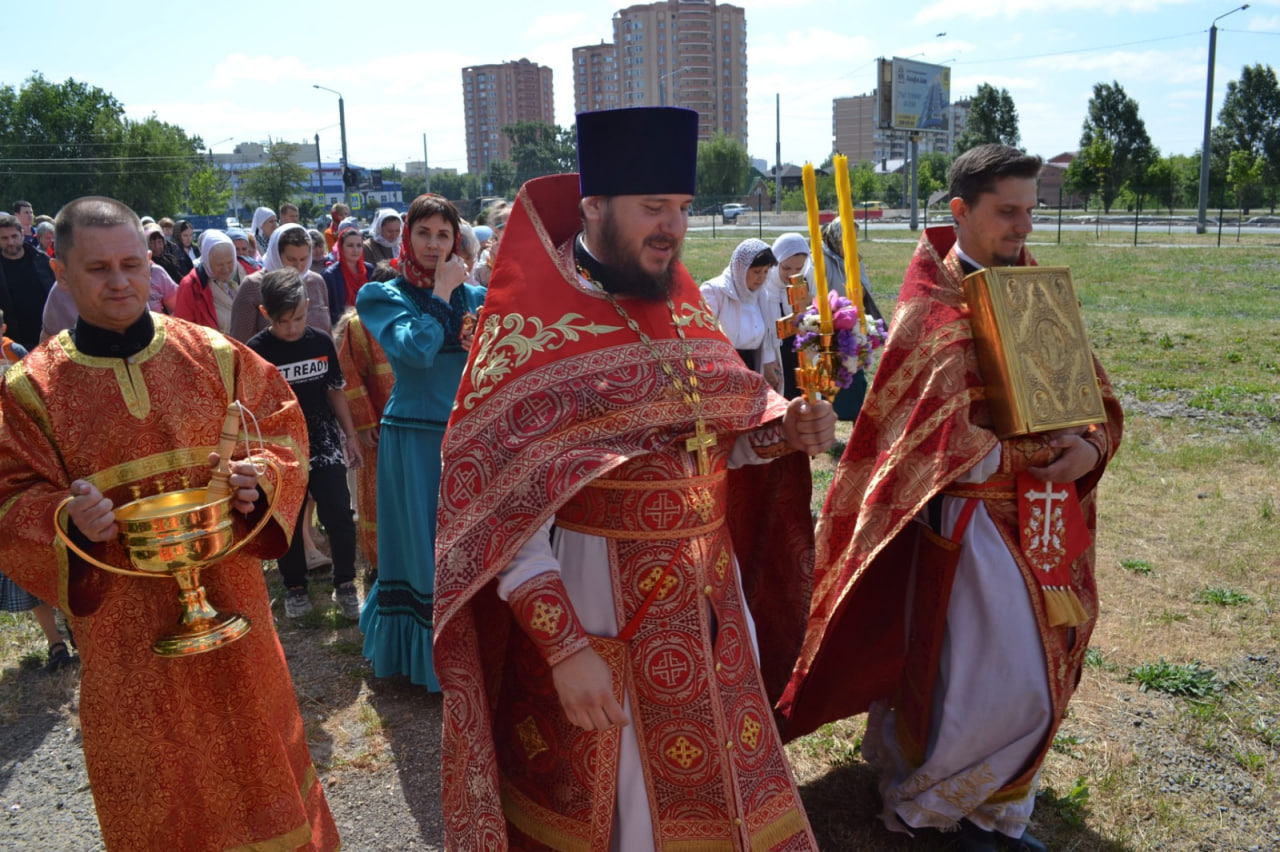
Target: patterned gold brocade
{"points": [[369, 382], [201, 753], [561, 416], [924, 425]]}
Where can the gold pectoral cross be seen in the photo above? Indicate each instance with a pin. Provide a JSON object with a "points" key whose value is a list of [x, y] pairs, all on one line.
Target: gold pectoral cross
{"points": [[700, 443]]}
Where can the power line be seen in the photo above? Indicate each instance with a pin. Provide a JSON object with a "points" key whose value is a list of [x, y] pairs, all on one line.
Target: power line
{"points": [[42, 161], [1083, 49]]}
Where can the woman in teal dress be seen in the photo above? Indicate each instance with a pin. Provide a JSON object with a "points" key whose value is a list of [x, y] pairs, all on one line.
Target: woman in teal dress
{"points": [[418, 319]]}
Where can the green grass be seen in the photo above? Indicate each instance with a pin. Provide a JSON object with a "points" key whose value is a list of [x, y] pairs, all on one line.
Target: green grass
{"points": [[1222, 597], [1136, 566], [1190, 680], [1071, 806]]}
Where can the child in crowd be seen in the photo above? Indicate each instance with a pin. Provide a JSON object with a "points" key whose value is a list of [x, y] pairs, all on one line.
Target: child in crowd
{"points": [[13, 598], [309, 363]]}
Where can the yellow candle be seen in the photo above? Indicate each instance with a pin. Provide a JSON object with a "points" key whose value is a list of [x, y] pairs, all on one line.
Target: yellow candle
{"points": [[849, 230], [815, 243]]}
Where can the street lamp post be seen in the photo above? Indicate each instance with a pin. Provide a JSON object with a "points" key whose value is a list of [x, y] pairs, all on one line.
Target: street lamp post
{"points": [[662, 84], [1208, 117], [342, 124]]}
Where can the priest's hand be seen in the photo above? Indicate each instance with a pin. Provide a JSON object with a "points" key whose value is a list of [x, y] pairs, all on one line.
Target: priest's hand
{"points": [[1076, 457], [92, 513], [809, 428], [585, 687], [244, 484]]}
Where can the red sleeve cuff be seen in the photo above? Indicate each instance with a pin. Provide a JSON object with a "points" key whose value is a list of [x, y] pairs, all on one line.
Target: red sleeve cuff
{"points": [[541, 606]]}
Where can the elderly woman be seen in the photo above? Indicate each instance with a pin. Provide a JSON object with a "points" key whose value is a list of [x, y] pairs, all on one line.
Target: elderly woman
{"points": [[44, 237], [792, 254], [384, 237], [734, 299], [205, 294], [264, 225], [420, 320]]}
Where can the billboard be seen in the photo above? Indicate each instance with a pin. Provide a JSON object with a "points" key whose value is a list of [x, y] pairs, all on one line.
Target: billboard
{"points": [[914, 96]]}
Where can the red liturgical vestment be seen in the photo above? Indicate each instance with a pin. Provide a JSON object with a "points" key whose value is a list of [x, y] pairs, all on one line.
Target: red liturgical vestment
{"points": [[564, 413], [877, 624], [199, 753]]}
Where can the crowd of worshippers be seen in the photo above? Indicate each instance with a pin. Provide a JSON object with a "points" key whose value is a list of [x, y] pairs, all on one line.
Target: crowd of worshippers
{"points": [[509, 565], [220, 279]]}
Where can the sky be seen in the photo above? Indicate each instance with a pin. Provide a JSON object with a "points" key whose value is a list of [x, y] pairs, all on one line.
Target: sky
{"points": [[243, 73]]}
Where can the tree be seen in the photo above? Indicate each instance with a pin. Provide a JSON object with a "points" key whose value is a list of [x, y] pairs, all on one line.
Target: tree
{"points": [[1244, 172], [501, 178], [1113, 118], [931, 175], [863, 184], [723, 166], [157, 164], [1250, 120], [209, 191], [1162, 182], [59, 141], [411, 186], [278, 179], [992, 118], [538, 149]]}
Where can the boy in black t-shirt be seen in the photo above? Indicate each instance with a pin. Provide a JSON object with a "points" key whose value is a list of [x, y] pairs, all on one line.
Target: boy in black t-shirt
{"points": [[309, 363]]}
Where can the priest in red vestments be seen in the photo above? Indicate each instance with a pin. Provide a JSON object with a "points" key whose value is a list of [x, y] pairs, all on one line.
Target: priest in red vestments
{"points": [[206, 752], [927, 609], [611, 540]]}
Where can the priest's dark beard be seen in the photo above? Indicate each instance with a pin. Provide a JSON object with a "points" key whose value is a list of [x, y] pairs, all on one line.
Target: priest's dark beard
{"points": [[627, 277]]}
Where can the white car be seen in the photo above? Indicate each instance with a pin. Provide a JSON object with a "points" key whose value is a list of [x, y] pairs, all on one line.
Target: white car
{"points": [[733, 211]]}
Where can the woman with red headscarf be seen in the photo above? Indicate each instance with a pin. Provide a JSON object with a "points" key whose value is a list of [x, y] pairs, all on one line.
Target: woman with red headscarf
{"points": [[349, 272], [423, 320]]}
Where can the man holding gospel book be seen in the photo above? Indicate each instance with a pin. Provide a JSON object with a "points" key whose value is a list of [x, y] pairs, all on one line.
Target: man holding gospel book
{"points": [[957, 566]]}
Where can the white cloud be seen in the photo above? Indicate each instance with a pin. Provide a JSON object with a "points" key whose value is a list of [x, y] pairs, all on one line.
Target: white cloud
{"points": [[945, 10], [1170, 66]]}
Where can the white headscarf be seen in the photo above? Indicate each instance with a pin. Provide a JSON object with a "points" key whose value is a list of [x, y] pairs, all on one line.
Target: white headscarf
{"points": [[271, 260], [785, 247], [375, 230], [261, 215], [209, 240], [734, 276]]}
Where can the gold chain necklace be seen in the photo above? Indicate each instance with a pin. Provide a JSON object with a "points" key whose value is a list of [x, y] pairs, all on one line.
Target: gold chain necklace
{"points": [[702, 440]]}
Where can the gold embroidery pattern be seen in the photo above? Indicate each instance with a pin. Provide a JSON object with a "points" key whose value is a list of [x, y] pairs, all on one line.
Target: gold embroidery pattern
{"points": [[703, 502], [750, 733], [495, 359], [684, 753], [546, 617], [697, 315], [646, 585], [722, 564], [20, 385], [531, 739]]}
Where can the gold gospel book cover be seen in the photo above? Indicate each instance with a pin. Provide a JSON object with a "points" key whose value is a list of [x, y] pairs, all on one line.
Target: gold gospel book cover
{"points": [[1032, 349]]}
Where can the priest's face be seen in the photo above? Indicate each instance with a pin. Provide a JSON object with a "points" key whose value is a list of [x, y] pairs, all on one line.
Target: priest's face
{"points": [[639, 237], [108, 274], [994, 229]]}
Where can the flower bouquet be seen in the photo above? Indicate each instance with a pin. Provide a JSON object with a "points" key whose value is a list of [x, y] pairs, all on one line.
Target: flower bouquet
{"points": [[854, 349]]}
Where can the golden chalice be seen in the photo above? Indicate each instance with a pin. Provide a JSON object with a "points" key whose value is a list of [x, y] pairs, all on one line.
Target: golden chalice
{"points": [[177, 534]]}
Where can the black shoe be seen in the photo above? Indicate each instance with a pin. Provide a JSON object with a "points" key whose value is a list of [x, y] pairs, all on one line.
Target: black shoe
{"points": [[970, 838], [59, 657]]}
